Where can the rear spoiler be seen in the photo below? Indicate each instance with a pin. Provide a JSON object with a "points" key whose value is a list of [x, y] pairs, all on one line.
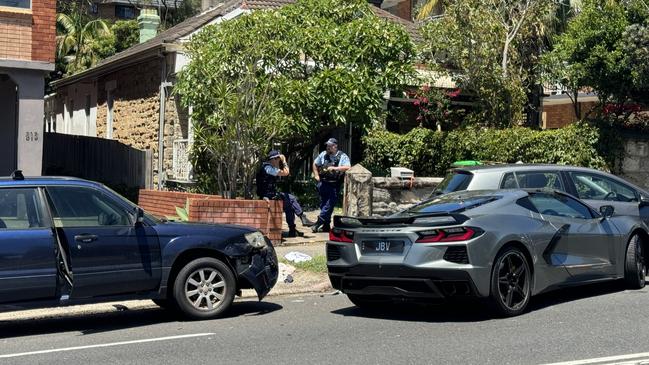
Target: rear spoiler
{"points": [[426, 220]]}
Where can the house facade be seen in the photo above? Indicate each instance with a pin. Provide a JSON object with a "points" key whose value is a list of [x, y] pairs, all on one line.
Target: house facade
{"points": [[129, 97], [27, 44]]}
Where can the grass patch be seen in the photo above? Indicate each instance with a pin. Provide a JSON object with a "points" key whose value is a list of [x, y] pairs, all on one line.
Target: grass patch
{"points": [[318, 264]]}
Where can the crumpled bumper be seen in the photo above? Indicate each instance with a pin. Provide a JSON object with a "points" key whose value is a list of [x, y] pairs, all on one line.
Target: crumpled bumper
{"points": [[262, 270]]}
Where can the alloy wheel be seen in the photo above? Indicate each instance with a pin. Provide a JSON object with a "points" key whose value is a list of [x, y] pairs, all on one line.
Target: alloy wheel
{"points": [[513, 280], [205, 289]]}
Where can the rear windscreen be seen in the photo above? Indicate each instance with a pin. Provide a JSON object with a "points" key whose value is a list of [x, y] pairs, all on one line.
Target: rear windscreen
{"points": [[450, 204], [454, 181]]}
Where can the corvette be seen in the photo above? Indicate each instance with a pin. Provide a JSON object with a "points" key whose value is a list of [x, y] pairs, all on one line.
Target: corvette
{"points": [[503, 245]]}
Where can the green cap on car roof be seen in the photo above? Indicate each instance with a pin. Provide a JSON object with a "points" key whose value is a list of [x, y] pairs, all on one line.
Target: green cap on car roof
{"points": [[466, 163]]}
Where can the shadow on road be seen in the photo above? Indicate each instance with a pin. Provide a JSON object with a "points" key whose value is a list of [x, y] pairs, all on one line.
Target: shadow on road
{"points": [[116, 320], [478, 310]]}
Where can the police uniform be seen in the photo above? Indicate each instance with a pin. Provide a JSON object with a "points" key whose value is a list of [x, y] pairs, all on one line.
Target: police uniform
{"points": [[267, 177], [330, 183]]}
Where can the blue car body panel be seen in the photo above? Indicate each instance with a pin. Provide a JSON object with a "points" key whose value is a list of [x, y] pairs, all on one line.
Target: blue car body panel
{"points": [[107, 262]]}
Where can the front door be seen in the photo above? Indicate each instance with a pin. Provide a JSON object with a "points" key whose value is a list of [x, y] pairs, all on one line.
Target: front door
{"points": [[27, 247], [584, 243], [598, 190], [109, 253]]}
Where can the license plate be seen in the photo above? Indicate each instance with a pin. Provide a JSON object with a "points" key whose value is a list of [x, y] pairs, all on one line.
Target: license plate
{"points": [[382, 247]]}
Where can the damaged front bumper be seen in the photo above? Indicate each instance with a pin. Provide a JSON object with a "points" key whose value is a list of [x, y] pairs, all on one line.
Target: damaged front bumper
{"points": [[260, 269]]}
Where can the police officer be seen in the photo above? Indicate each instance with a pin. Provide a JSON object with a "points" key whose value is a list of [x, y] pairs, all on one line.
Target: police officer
{"points": [[267, 176], [329, 170]]}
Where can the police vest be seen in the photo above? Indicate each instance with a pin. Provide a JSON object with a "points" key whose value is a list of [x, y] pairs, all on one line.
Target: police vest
{"points": [[266, 183], [331, 161]]}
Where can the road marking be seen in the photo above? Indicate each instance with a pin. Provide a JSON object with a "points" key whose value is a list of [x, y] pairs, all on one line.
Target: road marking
{"points": [[112, 344], [607, 360]]}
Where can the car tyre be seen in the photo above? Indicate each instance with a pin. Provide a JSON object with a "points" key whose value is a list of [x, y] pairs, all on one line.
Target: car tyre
{"points": [[204, 288], [635, 268], [510, 283]]}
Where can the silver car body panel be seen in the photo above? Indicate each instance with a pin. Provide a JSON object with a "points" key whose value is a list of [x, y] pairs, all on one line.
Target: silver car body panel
{"points": [[563, 251]]}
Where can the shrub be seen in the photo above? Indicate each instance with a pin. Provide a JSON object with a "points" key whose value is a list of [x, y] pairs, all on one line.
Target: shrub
{"points": [[431, 153]]}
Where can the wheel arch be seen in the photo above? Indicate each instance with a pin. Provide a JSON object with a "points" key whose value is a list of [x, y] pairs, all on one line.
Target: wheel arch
{"points": [[192, 254], [644, 235], [526, 252]]}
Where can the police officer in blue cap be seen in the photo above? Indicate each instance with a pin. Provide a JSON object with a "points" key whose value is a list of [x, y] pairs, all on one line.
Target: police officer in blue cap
{"points": [[329, 171], [267, 176]]}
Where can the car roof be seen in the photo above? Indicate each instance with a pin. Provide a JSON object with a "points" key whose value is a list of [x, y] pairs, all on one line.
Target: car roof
{"points": [[518, 167], [46, 180]]}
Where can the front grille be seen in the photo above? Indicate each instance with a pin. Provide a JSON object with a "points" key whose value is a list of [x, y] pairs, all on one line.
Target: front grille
{"points": [[333, 252], [457, 255]]}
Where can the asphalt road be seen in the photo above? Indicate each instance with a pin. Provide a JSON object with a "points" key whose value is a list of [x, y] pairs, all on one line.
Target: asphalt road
{"points": [[569, 325]]}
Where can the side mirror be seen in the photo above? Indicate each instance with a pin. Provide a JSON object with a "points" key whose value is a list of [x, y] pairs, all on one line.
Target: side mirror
{"points": [[644, 200], [606, 211], [139, 215]]}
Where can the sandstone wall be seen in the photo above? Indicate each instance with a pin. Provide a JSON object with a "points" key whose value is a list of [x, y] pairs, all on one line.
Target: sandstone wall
{"points": [[136, 111]]}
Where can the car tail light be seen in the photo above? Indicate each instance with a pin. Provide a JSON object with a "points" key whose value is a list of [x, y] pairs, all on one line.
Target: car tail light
{"points": [[340, 235], [454, 234]]}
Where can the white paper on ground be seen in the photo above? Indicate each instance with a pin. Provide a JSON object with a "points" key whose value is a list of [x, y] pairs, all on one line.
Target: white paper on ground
{"points": [[297, 257]]}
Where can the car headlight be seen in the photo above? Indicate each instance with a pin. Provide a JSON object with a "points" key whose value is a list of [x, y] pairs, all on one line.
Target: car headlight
{"points": [[256, 239]]}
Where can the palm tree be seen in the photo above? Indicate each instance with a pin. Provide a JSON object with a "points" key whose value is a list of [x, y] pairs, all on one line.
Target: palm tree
{"points": [[77, 38]]}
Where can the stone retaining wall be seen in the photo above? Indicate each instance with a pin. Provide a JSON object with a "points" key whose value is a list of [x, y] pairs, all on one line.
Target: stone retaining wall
{"points": [[393, 194], [260, 214], [366, 195], [635, 165]]}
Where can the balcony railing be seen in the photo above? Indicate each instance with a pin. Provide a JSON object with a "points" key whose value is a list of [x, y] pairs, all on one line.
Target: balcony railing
{"points": [[181, 165]]}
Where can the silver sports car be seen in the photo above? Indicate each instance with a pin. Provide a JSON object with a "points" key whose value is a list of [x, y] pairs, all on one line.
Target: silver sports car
{"points": [[505, 245]]}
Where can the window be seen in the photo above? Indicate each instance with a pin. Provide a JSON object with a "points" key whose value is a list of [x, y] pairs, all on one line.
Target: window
{"points": [[509, 181], [124, 12], [457, 202], [87, 111], [599, 187], [23, 4], [85, 207], [539, 180], [20, 209], [560, 206], [454, 181]]}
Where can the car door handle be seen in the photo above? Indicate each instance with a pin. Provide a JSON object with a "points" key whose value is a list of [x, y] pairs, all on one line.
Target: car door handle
{"points": [[85, 238]]}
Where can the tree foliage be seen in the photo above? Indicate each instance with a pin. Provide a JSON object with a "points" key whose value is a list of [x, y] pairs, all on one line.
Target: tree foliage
{"points": [[78, 38], [490, 48], [311, 65], [604, 48]]}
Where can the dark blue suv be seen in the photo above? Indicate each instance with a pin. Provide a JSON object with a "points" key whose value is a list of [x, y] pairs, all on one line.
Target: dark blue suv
{"points": [[71, 241]]}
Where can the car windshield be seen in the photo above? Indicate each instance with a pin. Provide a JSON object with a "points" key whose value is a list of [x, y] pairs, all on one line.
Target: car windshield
{"points": [[451, 203], [454, 181], [133, 205]]}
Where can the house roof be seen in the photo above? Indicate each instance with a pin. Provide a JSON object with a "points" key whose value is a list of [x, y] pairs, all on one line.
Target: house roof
{"points": [[168, 37]]}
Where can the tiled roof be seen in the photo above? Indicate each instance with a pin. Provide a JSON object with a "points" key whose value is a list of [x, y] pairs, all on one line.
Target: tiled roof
{"points": [[194, 23], [410, 27]]}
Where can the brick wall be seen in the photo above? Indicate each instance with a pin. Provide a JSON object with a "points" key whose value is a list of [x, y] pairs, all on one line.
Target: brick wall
{"points": [[44, 30], [164, 203], [29, 35], [16, 35], [263, 215], [560, 115]]}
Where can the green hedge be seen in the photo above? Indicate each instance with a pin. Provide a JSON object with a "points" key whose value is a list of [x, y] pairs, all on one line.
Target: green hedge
{"points": [[430, 153]]}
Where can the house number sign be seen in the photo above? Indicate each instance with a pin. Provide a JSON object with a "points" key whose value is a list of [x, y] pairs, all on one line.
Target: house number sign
{"points": [[31, 136]]}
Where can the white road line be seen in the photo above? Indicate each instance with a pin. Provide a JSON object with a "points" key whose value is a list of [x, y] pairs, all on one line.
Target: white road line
{"points": [[606, 360], [112, 344]]}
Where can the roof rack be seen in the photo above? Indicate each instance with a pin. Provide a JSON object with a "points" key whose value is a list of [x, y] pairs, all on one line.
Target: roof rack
{"points": [[18, 175]]}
